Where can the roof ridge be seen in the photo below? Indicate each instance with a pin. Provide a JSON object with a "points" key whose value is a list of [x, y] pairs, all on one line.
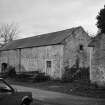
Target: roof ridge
{"points": [[50, 33], [41, 40]]}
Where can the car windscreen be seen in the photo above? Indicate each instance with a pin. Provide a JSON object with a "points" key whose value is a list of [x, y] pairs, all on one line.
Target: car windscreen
{"points": [[4, 87]]}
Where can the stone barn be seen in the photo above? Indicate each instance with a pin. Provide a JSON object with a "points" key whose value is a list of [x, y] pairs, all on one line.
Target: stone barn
{"points": [[49, 53], [97, 60]]}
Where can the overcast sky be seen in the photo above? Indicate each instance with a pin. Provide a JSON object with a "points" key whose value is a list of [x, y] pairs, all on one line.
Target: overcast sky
{"points": [[42, 16]]}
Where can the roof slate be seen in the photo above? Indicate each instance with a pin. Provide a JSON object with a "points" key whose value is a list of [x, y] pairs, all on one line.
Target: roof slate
{"points": [[96, 40], [41, 40]]}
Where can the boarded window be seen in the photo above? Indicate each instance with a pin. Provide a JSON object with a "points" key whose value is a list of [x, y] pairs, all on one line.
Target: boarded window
{"points": [[48, 63]]}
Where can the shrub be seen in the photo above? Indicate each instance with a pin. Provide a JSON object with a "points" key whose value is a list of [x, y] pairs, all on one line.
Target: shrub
{"points": [[25, 76], [11, 71], [70, 74], [22, 75], [67, 76], [41, 77]]}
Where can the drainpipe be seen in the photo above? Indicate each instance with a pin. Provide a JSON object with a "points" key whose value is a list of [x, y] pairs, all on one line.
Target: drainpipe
{"points": [[91, 49], [19, 60]]}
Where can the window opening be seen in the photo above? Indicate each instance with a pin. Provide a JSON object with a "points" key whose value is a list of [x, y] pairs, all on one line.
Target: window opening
{"points": [[81, 47], [48, 64]]}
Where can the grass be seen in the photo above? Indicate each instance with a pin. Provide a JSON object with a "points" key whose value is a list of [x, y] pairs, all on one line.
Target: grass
{"points": [[75, 88]]}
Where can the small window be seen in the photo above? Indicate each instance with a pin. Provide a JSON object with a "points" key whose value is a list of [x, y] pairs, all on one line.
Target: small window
{"points": [[81, 47], [48, 64]]}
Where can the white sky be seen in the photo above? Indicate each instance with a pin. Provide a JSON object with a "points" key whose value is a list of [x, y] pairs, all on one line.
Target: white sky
{"points": [[42, 16]]}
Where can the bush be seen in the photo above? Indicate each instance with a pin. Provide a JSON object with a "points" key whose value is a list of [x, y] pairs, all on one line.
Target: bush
{"points": [[22, 75], [25, 76], [67, 76], [35, 76], [70, 74], [40, 77], [11, 72]]}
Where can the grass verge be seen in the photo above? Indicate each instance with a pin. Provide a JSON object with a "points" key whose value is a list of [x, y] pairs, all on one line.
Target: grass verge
{"points": [[73, 88]]}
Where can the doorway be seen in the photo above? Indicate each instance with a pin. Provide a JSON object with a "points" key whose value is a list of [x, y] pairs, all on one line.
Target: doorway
{"points": [[48, 67]]}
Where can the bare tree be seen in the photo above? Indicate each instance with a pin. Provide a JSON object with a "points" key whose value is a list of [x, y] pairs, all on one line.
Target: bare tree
{"points": [[8, 32]]}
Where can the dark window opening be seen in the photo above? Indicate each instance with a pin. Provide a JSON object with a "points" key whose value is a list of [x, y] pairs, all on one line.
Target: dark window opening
{"points": [[81, 47], [48, 64], [4, 67]]}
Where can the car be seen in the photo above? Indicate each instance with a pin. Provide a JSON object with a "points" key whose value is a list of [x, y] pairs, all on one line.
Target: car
{"points": [[11, 96]]}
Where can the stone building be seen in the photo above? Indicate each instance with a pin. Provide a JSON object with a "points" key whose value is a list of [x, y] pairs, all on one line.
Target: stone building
{"points": [[49, 53], [97, 59]]}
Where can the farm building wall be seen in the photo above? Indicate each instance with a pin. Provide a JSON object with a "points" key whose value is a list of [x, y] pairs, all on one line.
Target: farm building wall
{"points": [[98, 62], [76, 47], [48, 59], [10, 57]]}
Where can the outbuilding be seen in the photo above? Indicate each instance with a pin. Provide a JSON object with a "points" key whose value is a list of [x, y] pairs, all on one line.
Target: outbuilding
{"points": [[97, 60], [49, 53]]}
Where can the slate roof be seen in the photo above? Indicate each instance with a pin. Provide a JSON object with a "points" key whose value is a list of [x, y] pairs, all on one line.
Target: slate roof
{"points": [[41, 40], [95, 41]]}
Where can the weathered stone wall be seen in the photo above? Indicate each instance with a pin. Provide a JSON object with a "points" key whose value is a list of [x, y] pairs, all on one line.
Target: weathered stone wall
{"points": [[3, 58], [98, 62], [72, 49], [33, 59], [10, 57]]}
